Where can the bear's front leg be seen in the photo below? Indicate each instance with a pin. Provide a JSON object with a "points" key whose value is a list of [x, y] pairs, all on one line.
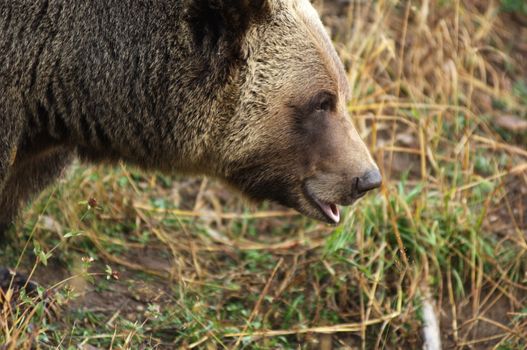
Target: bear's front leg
{"points": [[27, 179], [24, 181], [15, 282]]}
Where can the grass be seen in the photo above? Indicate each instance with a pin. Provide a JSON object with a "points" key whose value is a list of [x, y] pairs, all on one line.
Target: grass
{"points": [[131, 260]]}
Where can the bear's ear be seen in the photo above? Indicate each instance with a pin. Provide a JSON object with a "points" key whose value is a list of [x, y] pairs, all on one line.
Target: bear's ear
{"points": [[219, 25]]}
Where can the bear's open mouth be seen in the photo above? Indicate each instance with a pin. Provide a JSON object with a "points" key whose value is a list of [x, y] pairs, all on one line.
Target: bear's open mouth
{"points": [[329, 210]]}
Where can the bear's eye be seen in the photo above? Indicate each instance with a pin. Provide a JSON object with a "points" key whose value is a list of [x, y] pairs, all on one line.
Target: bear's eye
{"points": [[325, 105], [324, 102]]}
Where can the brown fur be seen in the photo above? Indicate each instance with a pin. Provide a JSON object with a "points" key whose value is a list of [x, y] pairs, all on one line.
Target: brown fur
{"points": [[229, 89]]}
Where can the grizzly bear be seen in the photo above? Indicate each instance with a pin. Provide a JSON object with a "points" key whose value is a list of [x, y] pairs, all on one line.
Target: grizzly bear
{"points": [[251, 92]]}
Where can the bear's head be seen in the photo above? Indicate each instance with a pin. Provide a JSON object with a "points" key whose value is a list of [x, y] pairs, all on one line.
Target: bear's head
{"points": [[289, 137]]}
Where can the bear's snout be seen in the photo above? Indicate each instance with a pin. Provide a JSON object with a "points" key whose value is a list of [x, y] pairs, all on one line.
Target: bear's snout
{"points": [[372, 179]]}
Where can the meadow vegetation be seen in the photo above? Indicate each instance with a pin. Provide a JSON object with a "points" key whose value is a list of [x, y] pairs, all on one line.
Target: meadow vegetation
{"points": [[128, 260]]}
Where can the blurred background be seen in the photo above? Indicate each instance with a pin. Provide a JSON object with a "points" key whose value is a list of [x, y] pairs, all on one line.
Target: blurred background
{"points": [[140, 261]]}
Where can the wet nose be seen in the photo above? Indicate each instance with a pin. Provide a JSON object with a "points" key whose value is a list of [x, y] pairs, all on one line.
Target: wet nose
{"points": [[370, 180]]}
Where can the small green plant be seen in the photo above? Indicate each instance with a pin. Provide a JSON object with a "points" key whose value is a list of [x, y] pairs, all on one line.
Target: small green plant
{"points": [[517, 6]]}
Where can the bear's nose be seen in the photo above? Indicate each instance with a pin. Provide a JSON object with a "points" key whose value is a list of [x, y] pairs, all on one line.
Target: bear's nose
{"points": [[370, 180]]}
